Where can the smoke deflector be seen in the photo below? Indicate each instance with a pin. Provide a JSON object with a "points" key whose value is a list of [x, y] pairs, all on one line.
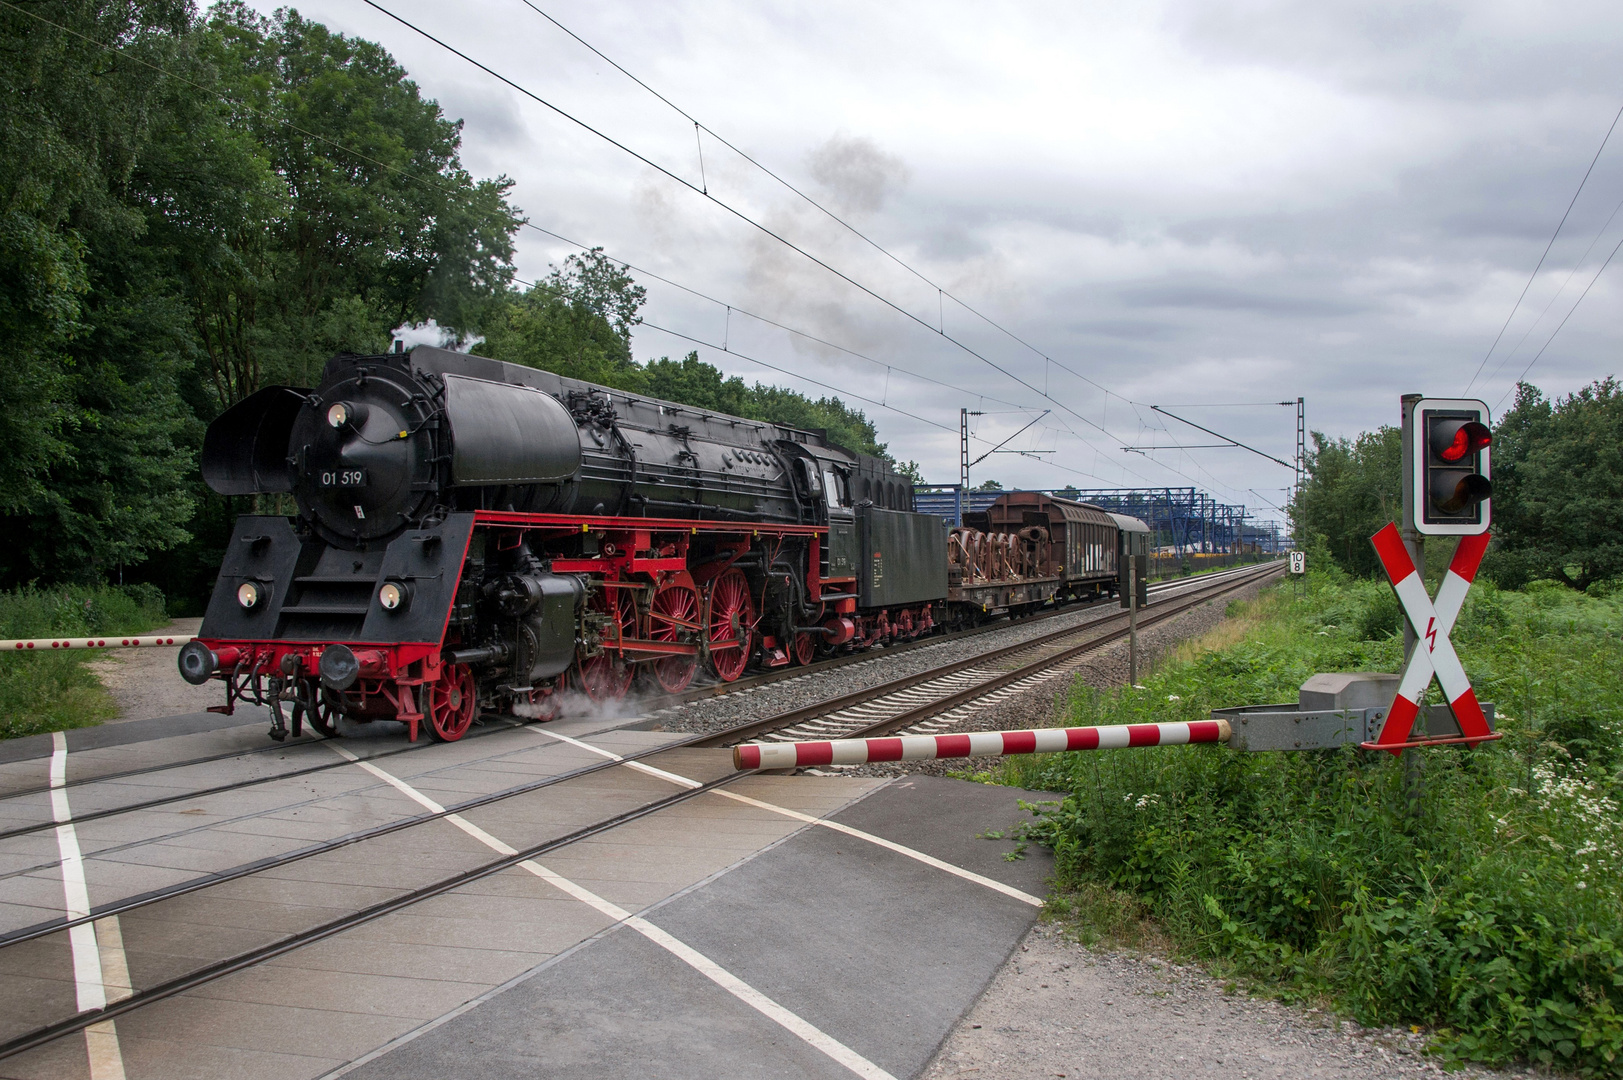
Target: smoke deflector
{"points": [[245, 449]]}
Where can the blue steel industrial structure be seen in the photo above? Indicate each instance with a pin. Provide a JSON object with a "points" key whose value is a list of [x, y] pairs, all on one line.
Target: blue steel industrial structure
{"points": [[1184, 519]]}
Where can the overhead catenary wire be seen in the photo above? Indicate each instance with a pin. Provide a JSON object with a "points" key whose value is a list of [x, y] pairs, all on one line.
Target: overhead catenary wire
{"points": [[743, 217], [1531, 277], [942, 293], [1576, 266], [1548, 341], [846, 393], [440, 182], [1220, 435]]}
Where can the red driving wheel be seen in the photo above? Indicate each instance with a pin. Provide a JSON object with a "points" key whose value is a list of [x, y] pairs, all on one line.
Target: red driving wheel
{"points": [[453, 701], [804, 649], [673, 616], [607, 676], [730, 624]]}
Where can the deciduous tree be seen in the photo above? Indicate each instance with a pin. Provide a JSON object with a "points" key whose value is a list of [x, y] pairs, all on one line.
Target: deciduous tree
{"points": [[1558, 487]]}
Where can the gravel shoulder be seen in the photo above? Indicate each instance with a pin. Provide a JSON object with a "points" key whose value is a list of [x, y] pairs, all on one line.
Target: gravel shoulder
{"points": [[1059, 1009], [145, 683]]}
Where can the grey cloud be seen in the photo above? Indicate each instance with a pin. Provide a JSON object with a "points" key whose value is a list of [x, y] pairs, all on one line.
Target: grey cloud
{"points": [[1227, 298], [1128, 329], [1472, 50], [1466, 126]]}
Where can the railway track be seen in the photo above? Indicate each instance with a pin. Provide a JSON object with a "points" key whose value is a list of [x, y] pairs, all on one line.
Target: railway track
{"points": [[934, 697], [932, 701], [494, 724], [767, 678]]}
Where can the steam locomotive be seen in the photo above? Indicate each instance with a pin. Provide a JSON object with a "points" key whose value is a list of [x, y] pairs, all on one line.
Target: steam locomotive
{"points": [[472, 535]]}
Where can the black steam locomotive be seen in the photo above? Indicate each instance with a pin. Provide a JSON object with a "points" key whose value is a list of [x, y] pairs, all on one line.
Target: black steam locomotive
{"points": [[472, 535]]}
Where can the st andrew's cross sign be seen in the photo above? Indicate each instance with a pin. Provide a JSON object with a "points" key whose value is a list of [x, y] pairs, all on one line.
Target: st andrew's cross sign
{"points": [[1434, 652]]}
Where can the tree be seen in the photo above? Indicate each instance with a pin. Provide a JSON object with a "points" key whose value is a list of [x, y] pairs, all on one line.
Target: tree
{"points": [[189, 210], [576, 323], [843, 425], [93, 435], [1558, 487], [347, 211], [691, 381], [1353, 488], [912, 471], [989, 485]]}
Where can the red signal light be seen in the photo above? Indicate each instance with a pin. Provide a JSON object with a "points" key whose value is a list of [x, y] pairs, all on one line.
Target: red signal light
{"points": [[1468, 439]]}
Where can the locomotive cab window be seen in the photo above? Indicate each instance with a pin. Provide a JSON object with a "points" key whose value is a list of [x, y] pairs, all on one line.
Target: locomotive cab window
{"points": [[834, 486]]}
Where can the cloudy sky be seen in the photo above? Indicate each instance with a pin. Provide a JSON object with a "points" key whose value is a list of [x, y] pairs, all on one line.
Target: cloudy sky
{"points": [[1201, 206]]}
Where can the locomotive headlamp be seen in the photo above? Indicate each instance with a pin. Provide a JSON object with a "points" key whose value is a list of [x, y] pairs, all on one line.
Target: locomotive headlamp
{"points": [[339, 414], [249, 594], [393, 596]]}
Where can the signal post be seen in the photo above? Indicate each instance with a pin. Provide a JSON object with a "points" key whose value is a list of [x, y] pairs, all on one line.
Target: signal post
{"points": [[1447, 491]]}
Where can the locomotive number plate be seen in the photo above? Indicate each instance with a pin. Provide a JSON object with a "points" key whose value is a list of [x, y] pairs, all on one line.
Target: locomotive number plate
{"points": [[342, 478]]}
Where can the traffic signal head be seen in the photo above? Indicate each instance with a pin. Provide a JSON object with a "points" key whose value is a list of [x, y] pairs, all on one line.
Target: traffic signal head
{"points": [[1451, 441]]}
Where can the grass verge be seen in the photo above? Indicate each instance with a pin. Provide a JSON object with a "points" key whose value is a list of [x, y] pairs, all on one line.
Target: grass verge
{"points": [[1485, 901], [54, 691]]}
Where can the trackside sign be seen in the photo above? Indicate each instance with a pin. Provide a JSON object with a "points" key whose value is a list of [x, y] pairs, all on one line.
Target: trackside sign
{"points": [[1433, 653]]}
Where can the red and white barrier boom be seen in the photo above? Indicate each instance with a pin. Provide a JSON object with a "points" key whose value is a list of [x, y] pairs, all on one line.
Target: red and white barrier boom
{"points": [[1434, 652], [46, 644], [791, 755]]}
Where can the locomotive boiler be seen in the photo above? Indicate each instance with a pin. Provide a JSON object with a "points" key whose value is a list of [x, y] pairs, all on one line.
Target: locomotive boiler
{"points": [[471, 534]]}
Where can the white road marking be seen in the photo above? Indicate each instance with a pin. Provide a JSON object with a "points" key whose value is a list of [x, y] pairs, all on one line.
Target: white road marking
{"points": [[900, 849], [806, 1031], [100, 971]]}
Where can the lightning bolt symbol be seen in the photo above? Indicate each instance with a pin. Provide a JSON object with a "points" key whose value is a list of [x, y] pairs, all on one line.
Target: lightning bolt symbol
{"points": [[1431, 634]]}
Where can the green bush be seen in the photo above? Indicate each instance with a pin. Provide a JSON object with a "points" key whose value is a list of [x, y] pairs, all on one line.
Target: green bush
{"points": [[1487, 904], [52, 691]]}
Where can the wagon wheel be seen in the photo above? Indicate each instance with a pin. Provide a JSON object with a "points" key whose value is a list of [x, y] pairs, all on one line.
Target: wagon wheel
{"points": [[607, 676], [804, 649], [730, 624], [674, 616], [453, 701]]}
